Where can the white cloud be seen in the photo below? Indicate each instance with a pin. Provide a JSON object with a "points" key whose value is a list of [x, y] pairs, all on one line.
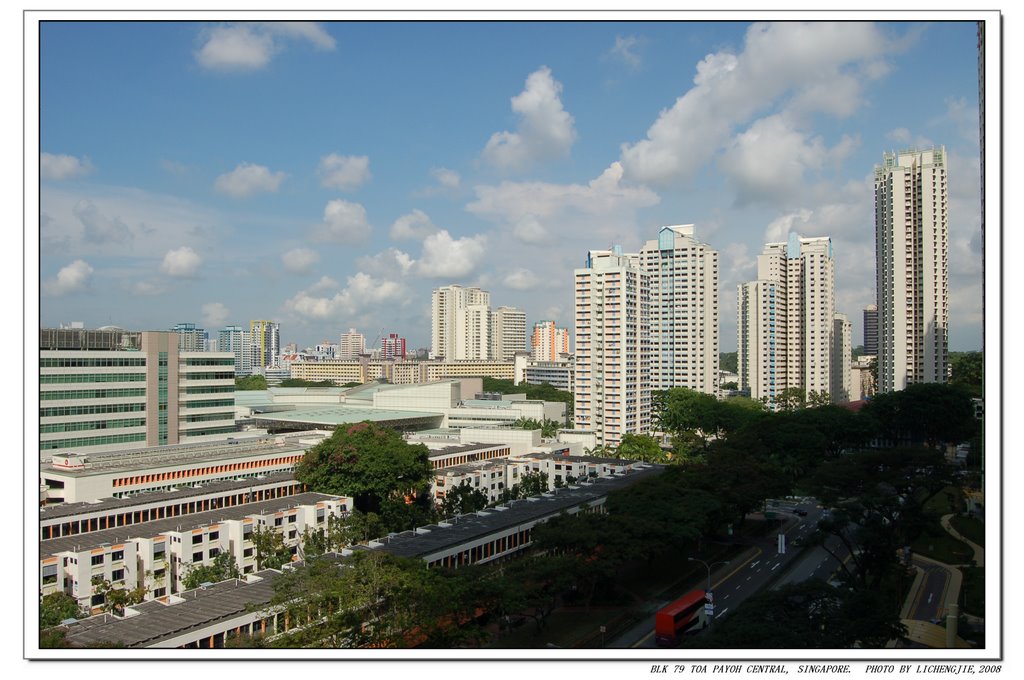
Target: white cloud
{"points": [[300, 260], [778, 230], [98, 227], [821, 66], [899, 135], [71, 279], [388, 263], [521, 279], [415, 225], [215, 315], [447, 178], [447, 257], [362, 291], [248, 179], [147, 288], [344, 172], [530, 230], [545, 129], [623, 49], [512, 202], [344, 222], [62, 166], [325, 284], [181, 263], [250, 47]]}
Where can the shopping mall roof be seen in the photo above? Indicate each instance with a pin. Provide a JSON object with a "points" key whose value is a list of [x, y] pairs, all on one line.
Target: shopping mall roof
{"points": [[333, 416]]}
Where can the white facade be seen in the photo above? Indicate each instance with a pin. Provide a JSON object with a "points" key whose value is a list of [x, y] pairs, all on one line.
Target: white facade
{"points": [[911, 251], [508, 333], [842, 356], [96, 400], [351, 345], [460, 323], [683, 275], [236, 340], [785, 320], [612, 312]]}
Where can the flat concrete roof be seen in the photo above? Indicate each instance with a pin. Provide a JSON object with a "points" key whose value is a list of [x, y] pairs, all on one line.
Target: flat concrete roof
{"points": [[344, 415], [184, 493], [95, 539], [179, 454]]}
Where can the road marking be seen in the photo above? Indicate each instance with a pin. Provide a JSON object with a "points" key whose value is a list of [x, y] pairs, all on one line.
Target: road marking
{"points": [[749, 577], [754, 564], [776, 566], [722, 613], [930, 595], [726, 597]]}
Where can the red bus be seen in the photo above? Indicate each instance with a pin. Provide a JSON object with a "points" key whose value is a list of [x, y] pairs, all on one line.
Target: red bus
{"points": [[685, 615]]}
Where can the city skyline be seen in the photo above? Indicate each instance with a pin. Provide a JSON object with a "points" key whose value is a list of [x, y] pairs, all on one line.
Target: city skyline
{"points": [[349, 195]]}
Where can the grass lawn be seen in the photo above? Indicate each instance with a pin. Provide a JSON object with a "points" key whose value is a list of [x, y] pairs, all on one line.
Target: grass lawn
{"points": [[972, 593], [950, 499], [943, 547], [970, 528]]}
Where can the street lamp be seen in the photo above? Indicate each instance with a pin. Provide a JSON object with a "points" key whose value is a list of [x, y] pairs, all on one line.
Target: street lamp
{"points": [[708, 604]]}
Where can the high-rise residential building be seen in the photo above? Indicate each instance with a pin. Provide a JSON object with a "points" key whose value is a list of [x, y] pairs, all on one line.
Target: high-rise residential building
{"points": [[548, 341], [190, 338], [785, 319], [508, 333], [236, 340], [683, 275], [912, 267], [842, 356], [460, 323], [612, 313], [351, 345], [871, 330], [392, 347], [111, 389], [265, 344]]}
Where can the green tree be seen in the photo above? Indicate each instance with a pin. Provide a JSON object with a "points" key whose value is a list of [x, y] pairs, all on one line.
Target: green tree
{"points": [[924, 412], [299, 382], [640, 447], [251, 382], [968, 372], [271, 552], [728, 361], [791, 399], [370, 463], [222, 569], [548, 428], [116, 599], [56, 607], [463, 500]]}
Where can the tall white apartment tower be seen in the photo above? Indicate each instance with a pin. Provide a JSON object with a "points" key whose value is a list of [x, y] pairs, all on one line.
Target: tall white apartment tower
{"points": [[842, 353], [351, 344], [612, 313], [785, 319], [683, 275], [911, 261], [460, 323], [508, 333]]}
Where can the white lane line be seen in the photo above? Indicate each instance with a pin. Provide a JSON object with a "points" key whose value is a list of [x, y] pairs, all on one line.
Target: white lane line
{"points": [[726, 597], [722, 613], [754, 564], [749, 577], [776, 566]]}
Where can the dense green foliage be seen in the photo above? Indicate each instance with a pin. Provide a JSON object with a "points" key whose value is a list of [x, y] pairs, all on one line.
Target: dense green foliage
{"points": [[548, 428], [56, 607], [382, 472], [251, 382], [728, 361], [299, 382], [924, 412], [640, 447], [463, 500], [968, 372], [222, 569]]}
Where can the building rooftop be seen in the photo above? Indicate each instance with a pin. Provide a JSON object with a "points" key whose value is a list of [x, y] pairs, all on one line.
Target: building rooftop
{"points": [[182, 454], [345, 415], [55, 512], [94, 539]]}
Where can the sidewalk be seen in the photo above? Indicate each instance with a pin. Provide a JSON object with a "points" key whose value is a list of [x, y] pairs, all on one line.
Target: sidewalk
{"points": [[979, 552]]}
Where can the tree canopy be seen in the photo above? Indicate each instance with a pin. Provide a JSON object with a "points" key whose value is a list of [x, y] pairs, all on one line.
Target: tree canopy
{"points": [[370, 463], [251, 382]]}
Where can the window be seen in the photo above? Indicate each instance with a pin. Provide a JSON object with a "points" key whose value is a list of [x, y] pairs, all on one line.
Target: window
{"points": [[97, 559], [117, 575], [214, 535], [117, 556], [197, 557], [197, 538]]}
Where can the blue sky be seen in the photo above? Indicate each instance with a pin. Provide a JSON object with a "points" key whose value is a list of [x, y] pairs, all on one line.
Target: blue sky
{"points": [[329, 175]]}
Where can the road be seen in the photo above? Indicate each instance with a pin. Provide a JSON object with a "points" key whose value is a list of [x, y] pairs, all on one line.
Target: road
{"points": [[735, 582], [930, 602]]}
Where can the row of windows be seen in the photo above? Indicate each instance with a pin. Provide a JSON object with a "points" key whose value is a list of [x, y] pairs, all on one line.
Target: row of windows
{"points": [[209, 403], [92, 441], [92, 377], [212, 430], [216, 389], [89, 362], [89, 410], [219, 375], [210, 362], [209, 416], [203, 471], [93, 394], [93, 425]]}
